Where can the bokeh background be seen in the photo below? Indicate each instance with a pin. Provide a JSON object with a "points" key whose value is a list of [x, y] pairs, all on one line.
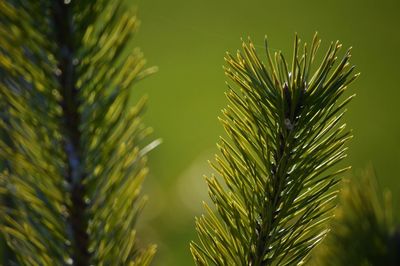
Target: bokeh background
{"points": [[187, 40]]}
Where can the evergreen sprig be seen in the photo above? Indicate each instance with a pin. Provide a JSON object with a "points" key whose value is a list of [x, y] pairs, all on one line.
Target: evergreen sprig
{"points": [[363, 231], [285, 137], [73, 147]]}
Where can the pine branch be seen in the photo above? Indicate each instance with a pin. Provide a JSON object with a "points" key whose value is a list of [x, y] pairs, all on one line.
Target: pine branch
{"points": [[363, 231], [285, 138], [77, 160]]}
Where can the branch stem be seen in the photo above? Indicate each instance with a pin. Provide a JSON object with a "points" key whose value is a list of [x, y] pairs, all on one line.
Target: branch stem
{"points": [[279, 169], [75, 174]]}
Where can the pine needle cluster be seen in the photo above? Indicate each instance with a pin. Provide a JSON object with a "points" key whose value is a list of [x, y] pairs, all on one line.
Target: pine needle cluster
{"points": [[72, 151], [276, 170]]}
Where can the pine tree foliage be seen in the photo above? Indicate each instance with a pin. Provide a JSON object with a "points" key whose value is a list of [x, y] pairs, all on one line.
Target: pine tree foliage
{"points": [[73, 145], [277, 175], [363, 231]]}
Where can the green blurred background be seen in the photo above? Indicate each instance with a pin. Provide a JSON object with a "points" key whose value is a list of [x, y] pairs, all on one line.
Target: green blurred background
{"points": [[187, 40]]}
